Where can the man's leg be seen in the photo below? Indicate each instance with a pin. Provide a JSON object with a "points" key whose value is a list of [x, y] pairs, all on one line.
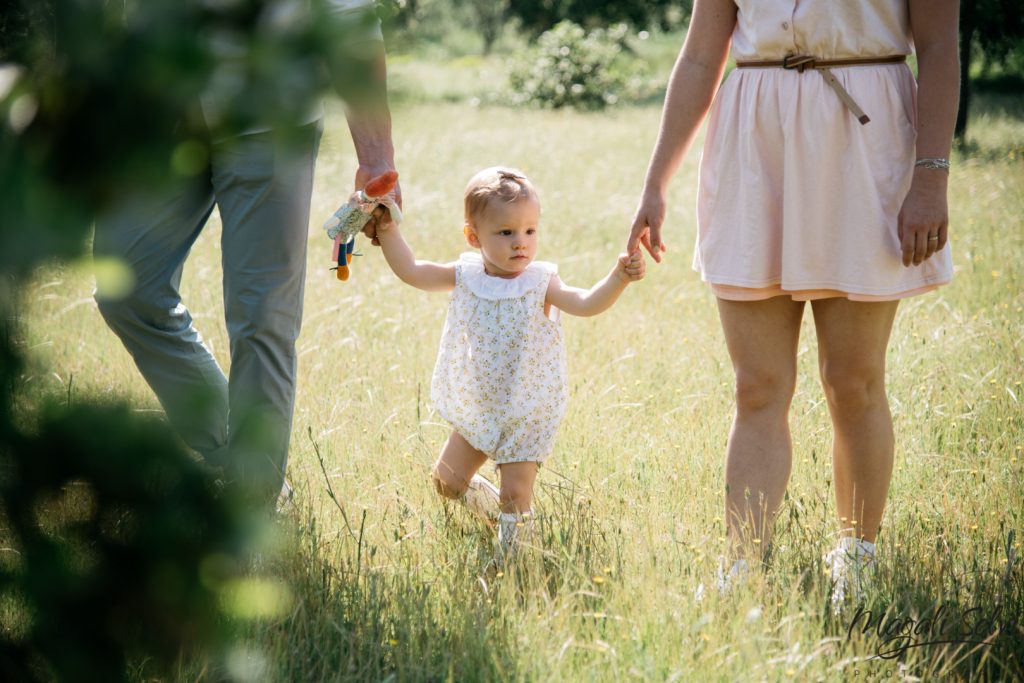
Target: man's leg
{"points": [[153, 236], [263, 190]]}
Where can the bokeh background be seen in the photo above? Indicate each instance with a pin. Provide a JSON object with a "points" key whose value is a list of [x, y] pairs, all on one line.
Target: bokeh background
{"points": [[121, 560]]}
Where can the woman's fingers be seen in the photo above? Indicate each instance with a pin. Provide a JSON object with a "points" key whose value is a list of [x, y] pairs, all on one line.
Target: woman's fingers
{"points": [[919, 242], [636, 234], [920, 246], [931, 243], [943, 236], [647, 235], [647, 225], [923, 220]]}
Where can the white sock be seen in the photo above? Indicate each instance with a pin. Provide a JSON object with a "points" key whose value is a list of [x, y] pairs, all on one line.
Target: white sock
{"points": [[510, 524]]}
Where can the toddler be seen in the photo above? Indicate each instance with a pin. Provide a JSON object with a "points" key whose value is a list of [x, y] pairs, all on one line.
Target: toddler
{"points": [[500, 373]]}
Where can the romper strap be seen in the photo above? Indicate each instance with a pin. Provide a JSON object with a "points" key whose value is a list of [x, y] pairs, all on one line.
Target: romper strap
{"points": [[800, 63]]}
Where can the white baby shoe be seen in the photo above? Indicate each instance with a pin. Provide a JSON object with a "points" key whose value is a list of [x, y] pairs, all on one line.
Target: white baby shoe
{"points": [[482, 499]]}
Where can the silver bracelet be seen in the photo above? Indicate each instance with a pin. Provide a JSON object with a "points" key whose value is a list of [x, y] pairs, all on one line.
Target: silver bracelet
{"points": [[938, 163]]}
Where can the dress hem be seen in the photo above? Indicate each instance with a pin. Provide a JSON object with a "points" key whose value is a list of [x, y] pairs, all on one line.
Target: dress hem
{"points": [[732, 292]]}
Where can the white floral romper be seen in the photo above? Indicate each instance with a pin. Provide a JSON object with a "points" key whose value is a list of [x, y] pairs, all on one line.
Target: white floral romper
{"points": [[500, 377]]}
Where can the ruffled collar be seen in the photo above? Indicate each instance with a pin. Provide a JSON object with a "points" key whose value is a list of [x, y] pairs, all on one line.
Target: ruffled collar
{"points": [[490, 287]]}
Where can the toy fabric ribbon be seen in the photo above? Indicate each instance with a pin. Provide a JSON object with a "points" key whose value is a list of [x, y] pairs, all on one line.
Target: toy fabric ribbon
{"points": [[352, 216]]}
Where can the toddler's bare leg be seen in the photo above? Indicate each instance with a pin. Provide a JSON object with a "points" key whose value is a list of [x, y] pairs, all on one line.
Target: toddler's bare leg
{"points": [[455, 477], [517, 479]]}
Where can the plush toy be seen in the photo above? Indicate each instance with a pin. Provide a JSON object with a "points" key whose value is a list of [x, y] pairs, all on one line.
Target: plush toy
{"points": [[350, 219]]}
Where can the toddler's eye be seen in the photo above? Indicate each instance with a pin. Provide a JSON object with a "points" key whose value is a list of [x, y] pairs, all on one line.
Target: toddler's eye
{"points": [[531, 231], [505, 233]]}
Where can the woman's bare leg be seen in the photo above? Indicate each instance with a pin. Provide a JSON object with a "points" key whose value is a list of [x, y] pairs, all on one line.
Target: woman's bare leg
{"points": [[762, 340], [852, 340]]}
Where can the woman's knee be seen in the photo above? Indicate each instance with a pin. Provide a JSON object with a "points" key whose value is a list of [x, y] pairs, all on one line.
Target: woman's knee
{"points": [[852, 387], [762, 389]]}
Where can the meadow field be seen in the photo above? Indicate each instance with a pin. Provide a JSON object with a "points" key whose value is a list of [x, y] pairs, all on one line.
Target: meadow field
{"points": [[377, 580]]}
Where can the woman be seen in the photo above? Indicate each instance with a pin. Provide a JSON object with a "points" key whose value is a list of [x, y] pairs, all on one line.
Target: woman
{"points": [[823, 179]]}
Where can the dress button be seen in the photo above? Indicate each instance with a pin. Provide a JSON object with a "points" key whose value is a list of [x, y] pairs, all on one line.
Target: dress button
{"points": [[785, 24]]}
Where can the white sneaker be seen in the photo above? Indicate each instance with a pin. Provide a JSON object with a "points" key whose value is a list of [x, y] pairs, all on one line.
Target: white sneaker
{"points": [[737, 575], [725, 581], [482, 499], [851, 567], [285, 499]]}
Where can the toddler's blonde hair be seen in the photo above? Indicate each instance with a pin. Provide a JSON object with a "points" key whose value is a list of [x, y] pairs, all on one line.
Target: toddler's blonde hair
{"points": [[500, 183]]}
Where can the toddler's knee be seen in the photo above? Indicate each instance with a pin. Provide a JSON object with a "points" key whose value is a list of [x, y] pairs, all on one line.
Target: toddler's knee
{"points": [[446, 484], [517, 495]]}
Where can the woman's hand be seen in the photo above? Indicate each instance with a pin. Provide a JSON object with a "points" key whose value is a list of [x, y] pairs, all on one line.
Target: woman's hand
{"points": [[647, 222], [924, 217]]}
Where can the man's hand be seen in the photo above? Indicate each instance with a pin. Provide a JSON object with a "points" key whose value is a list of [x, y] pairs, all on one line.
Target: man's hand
{"points": [[381, 216]]}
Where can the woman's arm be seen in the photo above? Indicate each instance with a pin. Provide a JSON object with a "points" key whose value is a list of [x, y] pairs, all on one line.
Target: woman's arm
{"points": [[425, 275], [691, 89], [925, 213], [600, 297]]}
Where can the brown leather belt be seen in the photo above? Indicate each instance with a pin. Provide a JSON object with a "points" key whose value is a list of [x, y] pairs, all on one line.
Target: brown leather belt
{"points": [[800, 63]]}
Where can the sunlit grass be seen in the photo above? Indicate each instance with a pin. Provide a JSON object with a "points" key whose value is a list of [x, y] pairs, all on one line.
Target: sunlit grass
{"points": [[393, 583]]}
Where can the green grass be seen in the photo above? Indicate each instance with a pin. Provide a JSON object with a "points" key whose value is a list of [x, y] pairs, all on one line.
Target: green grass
{"points": [[631, 500]]}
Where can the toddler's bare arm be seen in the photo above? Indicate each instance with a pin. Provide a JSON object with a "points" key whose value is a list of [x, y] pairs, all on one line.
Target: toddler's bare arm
{"points": [[425, 275], [600, 297]]}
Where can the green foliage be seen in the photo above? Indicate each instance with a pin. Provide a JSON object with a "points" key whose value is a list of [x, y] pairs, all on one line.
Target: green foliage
{"points": [[117, 547], [571, 67], [997, 28], [105, 97], [991, 31], [123, 544], [539, 15]]}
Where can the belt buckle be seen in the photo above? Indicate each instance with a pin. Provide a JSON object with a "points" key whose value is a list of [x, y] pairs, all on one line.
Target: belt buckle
{"points": [[799, 62]]}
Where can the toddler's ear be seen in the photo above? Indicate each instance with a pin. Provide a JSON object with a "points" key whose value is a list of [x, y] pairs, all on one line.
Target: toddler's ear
{"points": [[471, 237]]}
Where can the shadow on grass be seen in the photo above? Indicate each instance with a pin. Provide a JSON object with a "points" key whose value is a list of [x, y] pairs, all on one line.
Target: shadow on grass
{"points": [[356, 618], [940, 620], [428, 606]]}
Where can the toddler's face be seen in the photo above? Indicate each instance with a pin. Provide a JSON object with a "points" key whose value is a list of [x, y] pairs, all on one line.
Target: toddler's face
{"points": [[506, 235]]}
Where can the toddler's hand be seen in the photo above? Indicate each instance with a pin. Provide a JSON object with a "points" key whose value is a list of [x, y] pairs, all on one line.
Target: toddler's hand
{"points": [[631, 267]]}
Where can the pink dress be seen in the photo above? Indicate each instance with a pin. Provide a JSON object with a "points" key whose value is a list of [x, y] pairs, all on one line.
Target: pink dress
{"points": [[795, 195]]}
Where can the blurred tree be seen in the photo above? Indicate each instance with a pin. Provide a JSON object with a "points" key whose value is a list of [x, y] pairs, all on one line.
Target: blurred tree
{"points": [[569, 66], [991, 31], [125, 545], [490, 17], [539, 15]]}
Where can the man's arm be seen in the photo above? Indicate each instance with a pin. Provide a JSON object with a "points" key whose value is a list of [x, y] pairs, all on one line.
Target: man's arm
{"points": [[358, 69]]}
